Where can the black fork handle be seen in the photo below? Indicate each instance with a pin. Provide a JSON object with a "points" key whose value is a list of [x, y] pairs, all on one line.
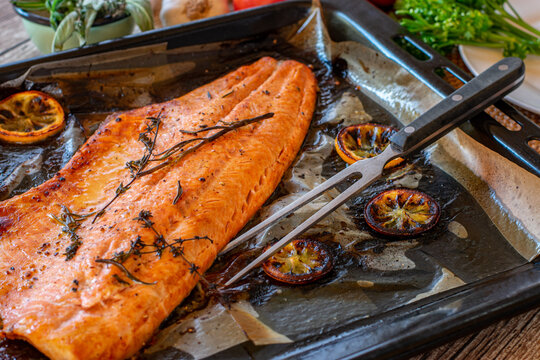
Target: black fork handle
{"points": [[464, 103]]}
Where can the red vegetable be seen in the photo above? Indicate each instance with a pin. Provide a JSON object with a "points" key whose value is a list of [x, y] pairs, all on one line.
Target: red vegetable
{"points": [[246, 4]]}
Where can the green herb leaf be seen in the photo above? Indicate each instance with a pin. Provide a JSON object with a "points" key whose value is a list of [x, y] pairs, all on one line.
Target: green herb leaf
{"points": [[487, 23], [141, 10], [65, 30], [89, 20]]}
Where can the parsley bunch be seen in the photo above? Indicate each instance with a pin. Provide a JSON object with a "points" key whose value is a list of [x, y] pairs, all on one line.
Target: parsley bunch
{"points": [[490, 23]]}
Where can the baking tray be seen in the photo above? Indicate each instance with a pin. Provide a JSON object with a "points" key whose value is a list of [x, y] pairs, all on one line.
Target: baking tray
{"points": [[408, 328]]}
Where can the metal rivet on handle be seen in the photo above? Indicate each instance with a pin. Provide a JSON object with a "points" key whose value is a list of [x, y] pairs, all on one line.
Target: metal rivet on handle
{"points": [[503, 67], [457, 97], [409, 129]]}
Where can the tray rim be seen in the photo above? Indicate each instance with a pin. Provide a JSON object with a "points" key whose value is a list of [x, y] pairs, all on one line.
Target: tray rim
{"points": [[399, 346]]}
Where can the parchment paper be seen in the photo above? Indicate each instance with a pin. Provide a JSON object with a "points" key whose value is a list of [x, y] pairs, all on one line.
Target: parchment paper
{"points": [[488, 223]]}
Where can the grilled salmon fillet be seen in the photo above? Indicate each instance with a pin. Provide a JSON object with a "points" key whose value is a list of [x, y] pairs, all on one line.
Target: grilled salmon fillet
{"points": [[70, 306]]}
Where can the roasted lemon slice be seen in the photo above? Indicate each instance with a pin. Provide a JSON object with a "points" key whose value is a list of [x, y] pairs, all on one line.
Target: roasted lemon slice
{"points": [[357, 142], [299, 262], [402, 212], [30, 116]]}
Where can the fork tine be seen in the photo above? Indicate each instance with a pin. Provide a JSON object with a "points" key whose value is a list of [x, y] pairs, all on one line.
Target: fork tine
{"points": [[371, 170], [295, 205]]}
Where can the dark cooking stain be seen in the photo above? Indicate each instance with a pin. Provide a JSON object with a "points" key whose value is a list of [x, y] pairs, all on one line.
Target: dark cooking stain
{"points": [[339, 67], [18, 349]]}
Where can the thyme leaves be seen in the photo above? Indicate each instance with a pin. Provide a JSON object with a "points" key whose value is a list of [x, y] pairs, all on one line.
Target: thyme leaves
{"points": [[120, 280], [134, 249], [148, 137], [121, 189], [70, 222], [227, 94], [138, 168], [179, 192], [125, 271], [216, 127], [180, 146], [158, 247]]}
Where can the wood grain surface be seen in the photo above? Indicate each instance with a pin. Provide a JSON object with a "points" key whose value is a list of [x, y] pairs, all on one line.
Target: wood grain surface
{"points": [[516, 338]]}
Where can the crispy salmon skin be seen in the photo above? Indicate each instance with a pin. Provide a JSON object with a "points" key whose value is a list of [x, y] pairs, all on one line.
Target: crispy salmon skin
{"points": [[78, 308]]}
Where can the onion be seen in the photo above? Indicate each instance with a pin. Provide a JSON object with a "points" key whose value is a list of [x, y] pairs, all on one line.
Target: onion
{"points": [[180, 11]]}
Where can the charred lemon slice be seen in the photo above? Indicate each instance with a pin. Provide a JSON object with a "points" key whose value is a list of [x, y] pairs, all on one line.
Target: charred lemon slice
{"points": [[30, 116], [357, 142], [402, 212], [299, 262]]}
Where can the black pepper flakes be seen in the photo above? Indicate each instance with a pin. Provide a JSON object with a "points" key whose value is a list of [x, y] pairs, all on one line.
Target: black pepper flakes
{"points": [[202, 179]]}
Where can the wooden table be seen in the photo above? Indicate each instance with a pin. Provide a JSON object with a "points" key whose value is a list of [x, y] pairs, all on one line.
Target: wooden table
{"points": [[515, 338]]}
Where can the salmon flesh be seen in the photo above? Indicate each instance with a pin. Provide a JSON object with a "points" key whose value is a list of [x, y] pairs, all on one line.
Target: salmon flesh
{"points": [[59, 287]]}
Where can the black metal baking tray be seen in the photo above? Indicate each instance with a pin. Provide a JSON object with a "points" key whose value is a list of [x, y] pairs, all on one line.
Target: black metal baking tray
{"points": [[407, 328]]}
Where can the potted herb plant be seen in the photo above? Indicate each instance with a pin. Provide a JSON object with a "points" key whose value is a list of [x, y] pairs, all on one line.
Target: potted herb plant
{"points": [[55, 25]]}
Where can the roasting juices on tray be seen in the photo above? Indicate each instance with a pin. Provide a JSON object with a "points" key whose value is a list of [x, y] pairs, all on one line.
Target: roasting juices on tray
{"points": [[99, 255]]}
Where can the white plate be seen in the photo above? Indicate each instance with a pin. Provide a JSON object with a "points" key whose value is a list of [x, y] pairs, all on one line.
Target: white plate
{"points": [[479, 59]]}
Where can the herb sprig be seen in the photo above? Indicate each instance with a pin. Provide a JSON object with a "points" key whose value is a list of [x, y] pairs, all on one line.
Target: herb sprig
{"points": [[159, 246], [444, 24], [180, 146], [148, 137], [138, 168], [179, 193], [70, 222]]}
